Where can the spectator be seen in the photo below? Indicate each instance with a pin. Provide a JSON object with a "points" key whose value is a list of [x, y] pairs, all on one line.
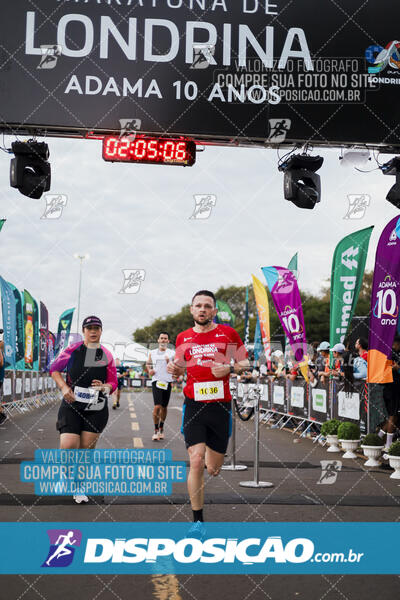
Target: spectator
{"points": [[338, 355], [277, 364], [322, 362], [391, 396], [361, 346], [360, 362], [347, 371]]}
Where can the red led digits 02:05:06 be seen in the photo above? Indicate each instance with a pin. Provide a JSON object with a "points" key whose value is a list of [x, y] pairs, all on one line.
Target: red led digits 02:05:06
{"points": [[157, 151]]}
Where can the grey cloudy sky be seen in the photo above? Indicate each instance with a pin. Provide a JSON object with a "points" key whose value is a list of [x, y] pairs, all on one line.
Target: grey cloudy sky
{"points": [[138, 217]]}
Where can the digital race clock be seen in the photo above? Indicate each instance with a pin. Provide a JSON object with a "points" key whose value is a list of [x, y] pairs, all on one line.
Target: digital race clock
{"points": [[157, 151]]}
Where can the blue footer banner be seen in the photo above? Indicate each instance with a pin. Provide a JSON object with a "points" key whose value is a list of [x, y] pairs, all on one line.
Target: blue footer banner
{"points": [[213, 548]]}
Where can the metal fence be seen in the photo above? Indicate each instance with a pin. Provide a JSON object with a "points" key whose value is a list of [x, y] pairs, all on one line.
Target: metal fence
{"points": [[24, 390], [303, 403]]}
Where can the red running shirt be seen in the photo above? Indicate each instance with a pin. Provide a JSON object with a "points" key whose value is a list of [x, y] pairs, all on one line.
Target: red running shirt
{"points": [[200, 350]]}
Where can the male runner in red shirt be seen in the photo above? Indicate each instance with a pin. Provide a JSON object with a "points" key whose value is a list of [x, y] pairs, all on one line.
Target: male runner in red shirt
{"points": [[210, 353]]}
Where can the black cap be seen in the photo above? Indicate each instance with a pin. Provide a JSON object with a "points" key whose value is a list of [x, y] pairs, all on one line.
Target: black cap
{"points": [[92, 320]]}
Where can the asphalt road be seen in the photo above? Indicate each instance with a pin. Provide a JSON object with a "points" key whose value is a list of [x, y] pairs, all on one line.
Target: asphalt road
{"points": [[291, 463]]}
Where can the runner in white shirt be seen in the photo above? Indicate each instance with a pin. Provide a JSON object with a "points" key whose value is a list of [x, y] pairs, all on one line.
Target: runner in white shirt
{"points": [[161, 382]]}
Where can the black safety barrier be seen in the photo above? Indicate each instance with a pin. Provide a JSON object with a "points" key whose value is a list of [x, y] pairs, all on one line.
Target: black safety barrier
{"points": [[298, 395], [317, 403], [279, 396], [350, 406], [319, 406], [135, 383]]}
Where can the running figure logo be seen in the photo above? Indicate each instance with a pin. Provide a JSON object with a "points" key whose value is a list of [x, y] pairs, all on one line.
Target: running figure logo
{"points": [[50, 55], [132, 280], [62, 547], [129, 127], [203, 56], [203, 205], [330, 470], [278, 128], [358, 204], [54, 206]]}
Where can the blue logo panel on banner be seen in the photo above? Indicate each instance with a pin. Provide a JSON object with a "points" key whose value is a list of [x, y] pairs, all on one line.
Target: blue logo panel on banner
{"points": [[146, 548]]}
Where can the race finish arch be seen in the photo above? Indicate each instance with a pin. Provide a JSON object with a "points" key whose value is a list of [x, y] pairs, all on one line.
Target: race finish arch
{"points": [[244, 72]]}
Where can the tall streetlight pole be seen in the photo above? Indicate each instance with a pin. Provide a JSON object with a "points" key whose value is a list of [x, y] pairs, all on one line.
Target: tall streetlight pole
{"points": [[81, 258]]}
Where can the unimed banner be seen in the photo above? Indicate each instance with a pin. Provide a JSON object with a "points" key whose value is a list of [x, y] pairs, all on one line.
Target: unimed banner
{"points": [[243, 70], [286, 298], [225, 315], [348, 266], [385, 299]]}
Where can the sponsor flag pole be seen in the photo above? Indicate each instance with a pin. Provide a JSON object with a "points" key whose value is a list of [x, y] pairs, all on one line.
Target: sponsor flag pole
{"points": [[234, 389], [260, 294], [224, 315], [261, 333], [247, 321], [286, 298], [385, 299], [64, 328], [348, 265], [9, 324]]}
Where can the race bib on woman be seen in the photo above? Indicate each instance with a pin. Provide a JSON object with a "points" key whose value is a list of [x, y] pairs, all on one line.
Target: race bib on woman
{"points": [[90, 397]]}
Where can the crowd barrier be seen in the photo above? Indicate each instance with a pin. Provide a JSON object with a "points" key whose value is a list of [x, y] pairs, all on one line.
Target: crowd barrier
{"points": [[25, 390], [300, 401]]}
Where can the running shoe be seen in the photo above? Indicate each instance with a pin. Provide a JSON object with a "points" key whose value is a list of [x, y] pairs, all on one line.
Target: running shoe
{"points": [[155, 437], [197, 531], [160, 435], [3, 417], [114, 407], [80, 498]]}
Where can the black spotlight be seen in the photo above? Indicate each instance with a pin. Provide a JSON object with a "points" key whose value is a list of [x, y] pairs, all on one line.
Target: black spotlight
{"points": [[301, 184], [29, 170], [393, 168]]}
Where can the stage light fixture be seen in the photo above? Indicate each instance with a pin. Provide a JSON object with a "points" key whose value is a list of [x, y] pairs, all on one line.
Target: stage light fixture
{"points": [[30, 171], [301, 184], [393, 168]]}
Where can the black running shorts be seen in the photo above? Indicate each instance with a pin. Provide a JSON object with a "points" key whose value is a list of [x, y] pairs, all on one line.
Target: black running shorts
{"points": [[207, 422], [72, 418], [161, 397]]}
